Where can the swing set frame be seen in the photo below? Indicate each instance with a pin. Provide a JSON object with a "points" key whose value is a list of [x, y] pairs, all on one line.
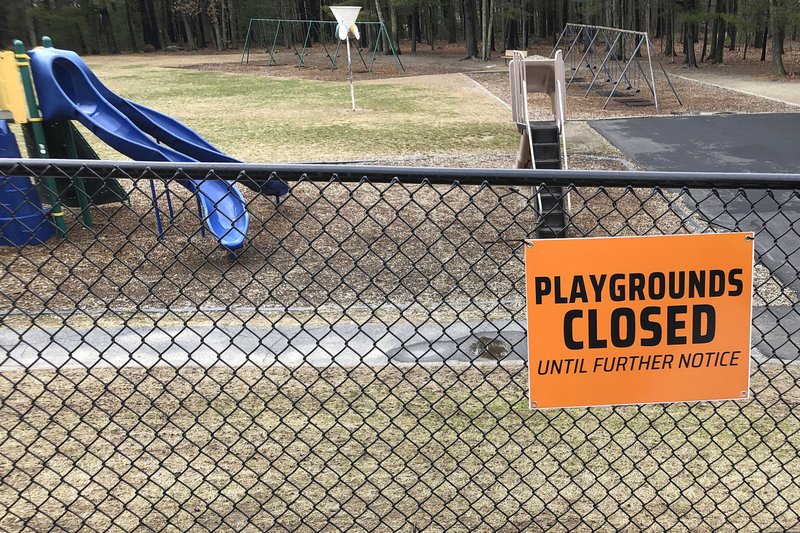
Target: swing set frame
{"points": [[258, 31], [624, 50]]}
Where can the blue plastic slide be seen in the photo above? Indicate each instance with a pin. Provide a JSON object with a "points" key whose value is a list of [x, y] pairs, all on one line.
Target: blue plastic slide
{"points": [[67, 90], [174, 134]]}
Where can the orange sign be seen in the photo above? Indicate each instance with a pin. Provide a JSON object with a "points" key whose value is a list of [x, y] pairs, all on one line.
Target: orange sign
{"points": [[631, 320]]}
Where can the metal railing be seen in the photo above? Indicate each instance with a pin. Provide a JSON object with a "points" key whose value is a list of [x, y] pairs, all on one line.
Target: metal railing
{"points": [[361, 363]]}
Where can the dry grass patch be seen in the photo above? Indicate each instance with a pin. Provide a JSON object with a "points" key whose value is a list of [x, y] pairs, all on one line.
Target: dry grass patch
{"points": [[439, 447]]}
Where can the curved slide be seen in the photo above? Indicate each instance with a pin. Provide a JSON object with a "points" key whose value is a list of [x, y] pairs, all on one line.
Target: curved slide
{"points": [[68, 90], [174, 134]]}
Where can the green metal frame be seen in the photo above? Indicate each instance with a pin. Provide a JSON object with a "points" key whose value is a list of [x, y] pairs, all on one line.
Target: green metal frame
{"points": [[255, 30], [64, 141], [72, 152], [35, 130], [61, 139]]}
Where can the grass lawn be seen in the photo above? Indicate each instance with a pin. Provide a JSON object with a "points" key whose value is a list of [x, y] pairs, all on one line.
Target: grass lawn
{"points": [[442, 448], [263, 119]]}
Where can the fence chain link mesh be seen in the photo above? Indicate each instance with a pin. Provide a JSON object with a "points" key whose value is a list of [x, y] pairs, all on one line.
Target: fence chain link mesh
{"points": [[361, 364]]}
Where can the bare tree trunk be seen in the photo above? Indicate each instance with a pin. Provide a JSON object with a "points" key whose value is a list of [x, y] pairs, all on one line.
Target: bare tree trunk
{"points": [[393, 33], [705, 34], [149, 24], [432, 28], [233, 36], [81, 39], [214, 18], [129, 20], [218, 35], [450, 8], [414, 36], [187, 27], [669, 32], [223, 25], [778, 30], [719, 45], [163, 21], [688, 45], [486, 52], [386, 48], [105, 22], [469, 29]]}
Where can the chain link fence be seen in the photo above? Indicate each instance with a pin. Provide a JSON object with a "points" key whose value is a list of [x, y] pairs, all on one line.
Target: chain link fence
{"points": [[361, 364]]}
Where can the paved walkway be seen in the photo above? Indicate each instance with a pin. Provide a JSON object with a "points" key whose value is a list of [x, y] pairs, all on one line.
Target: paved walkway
{"points": [[784, 91], [765, 143]]}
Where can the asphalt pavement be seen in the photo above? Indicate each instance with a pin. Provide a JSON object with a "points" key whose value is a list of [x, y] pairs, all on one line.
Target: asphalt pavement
{"points": [[709, 143], [733, 143]]}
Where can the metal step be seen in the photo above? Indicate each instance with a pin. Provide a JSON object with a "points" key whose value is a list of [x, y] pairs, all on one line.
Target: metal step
{"points": [[553, 218], [545, 151]]}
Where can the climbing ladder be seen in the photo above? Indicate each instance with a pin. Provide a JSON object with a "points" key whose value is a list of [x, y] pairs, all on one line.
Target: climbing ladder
{"points": [[542, 143]]}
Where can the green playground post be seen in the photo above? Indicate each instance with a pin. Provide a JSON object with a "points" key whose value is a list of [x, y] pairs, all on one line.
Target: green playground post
{"points": [[305, 46], [83, 198], [391, 46], [72, 151], [375, 49], [335, 54], [246, 51], [35, 127], [292, 44], [272, 50]]}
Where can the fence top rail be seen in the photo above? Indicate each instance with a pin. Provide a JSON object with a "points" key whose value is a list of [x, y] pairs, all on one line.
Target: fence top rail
{"points": [[606, 28], [389, 174]]}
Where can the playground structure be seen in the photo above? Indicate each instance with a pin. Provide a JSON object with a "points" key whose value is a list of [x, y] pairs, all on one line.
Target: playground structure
{"points": [[542, 144], [51, 139], [610, 61], [23, 219], [268, 35], [68, 90]]}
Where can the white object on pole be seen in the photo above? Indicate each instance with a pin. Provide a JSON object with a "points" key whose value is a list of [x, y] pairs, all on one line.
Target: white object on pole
{"points": [[346, 17]]}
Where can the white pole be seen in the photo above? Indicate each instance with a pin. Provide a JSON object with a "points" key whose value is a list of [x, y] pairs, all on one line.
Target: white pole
{"points": [[350, 75]]}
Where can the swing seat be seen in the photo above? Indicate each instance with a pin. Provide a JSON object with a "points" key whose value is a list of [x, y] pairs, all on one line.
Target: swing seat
{"points": [[619, 93], [635, 102]]}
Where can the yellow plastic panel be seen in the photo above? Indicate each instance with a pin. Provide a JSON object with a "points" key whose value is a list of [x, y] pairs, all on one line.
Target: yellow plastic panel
{"points": [[12, 95]]}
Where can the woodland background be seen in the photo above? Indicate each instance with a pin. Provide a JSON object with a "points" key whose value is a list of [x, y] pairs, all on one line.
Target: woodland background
{"points": [[699, 30]]}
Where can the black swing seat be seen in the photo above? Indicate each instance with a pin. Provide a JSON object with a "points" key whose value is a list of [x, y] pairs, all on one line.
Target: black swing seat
{"points": [[636, 102], [618, 93]]}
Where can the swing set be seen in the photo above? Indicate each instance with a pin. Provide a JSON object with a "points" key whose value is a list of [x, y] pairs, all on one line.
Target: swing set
{"points": [[621, 59], [268, 35]]}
